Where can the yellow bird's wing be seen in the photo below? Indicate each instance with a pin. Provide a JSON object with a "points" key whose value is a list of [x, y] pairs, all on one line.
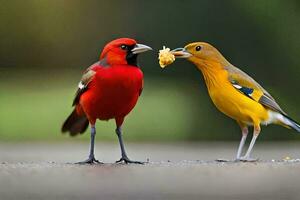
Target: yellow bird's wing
{"points": [[249, 87]]}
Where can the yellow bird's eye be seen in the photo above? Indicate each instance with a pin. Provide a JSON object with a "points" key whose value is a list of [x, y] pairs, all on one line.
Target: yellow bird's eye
{"points": [[198, 48]]}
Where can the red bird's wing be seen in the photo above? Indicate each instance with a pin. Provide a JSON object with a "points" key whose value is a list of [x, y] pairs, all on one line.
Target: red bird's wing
{"points": [[87, 77], [77, 121]]}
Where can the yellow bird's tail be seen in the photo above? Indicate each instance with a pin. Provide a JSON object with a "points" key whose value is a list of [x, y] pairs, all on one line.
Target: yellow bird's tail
{"points": [[292, 123], [283, 120], [288, 122]]}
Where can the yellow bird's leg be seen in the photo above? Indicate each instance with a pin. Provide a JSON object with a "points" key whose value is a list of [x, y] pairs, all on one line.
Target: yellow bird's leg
{"points": [[245, 131], [256, 132]]}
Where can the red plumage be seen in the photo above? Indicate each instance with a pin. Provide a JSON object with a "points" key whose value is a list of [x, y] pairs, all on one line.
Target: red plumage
{"points": [[112, 93], [109, 89]]}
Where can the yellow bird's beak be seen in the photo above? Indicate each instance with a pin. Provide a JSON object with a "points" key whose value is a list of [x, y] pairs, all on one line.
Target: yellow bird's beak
{"points": [[181, 53]]}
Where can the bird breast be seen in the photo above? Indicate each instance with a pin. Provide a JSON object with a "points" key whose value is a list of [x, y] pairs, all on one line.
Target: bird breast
{"points": [[113, 92]]}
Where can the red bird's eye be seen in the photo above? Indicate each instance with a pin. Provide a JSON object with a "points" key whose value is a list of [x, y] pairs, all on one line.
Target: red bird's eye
{"points": [[123, 47]]}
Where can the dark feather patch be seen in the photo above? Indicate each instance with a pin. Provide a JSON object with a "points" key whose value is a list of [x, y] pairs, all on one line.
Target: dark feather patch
{"points": [[245, 90], [270, 103], [75, 124], [83, 85], [78, 94]]}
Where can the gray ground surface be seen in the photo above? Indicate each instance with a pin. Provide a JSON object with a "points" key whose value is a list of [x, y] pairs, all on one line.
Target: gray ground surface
{"points": [[175, 171]]}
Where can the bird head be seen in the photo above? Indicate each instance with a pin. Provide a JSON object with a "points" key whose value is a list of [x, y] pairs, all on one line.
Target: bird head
{"points": [[199, 53], [122, 51]]}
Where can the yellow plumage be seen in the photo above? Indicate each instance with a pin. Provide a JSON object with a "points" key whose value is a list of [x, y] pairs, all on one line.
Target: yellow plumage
{"points": [[235, 93], [228, 99]]}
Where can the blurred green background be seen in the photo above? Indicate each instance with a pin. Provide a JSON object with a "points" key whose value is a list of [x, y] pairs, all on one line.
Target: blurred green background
{"points": [[46, 44]]}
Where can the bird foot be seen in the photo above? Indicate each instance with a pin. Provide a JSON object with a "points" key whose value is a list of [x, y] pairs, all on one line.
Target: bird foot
{"points": [[223, 160], [126, 160], [90, 160], [246, 159]]}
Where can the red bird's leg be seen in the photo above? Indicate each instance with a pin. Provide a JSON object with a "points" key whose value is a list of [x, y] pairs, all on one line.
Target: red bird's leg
{"points": [[124, 157], [91, 158]]}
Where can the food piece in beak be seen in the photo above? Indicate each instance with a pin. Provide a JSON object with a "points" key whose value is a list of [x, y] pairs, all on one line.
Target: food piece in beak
{"points": [[165, 57]]}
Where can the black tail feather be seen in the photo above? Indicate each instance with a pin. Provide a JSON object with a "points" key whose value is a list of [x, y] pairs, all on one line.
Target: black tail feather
{"points": [[75, 124], [292, 123]]}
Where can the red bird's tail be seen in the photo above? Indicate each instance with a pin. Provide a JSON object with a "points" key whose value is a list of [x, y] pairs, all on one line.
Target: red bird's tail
{"points": [[75, 124]]}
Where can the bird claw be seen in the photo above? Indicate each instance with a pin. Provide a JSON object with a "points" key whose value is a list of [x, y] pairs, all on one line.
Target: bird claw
{"points": [[90, 160], [126, 160], [222, 160], [241, 159]]}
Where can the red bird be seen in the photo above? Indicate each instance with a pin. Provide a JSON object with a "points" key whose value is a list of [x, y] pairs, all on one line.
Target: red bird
{"points": [[109, 89]]}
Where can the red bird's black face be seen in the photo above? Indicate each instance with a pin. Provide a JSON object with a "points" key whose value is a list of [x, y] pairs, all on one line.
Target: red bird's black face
{"points": [[123, 51]]}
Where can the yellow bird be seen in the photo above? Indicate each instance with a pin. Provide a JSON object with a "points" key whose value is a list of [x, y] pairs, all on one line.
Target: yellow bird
{"points": [[235, 93]]}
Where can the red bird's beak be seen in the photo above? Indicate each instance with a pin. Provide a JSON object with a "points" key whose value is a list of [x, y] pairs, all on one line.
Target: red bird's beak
{"points": [[181, 53], [140, 48]]}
